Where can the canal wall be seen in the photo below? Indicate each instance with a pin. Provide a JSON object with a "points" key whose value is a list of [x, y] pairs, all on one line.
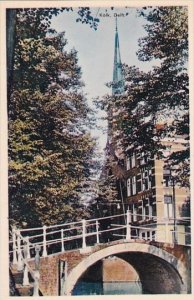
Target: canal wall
{"points": [[117, 270], [111, 269]]}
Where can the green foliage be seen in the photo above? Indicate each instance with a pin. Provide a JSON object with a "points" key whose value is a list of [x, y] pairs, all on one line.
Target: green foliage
{"points": [[85, 16], [51, 152], [167, 36], [155, 105], [40, 19], [167, 40], [106, 193]]}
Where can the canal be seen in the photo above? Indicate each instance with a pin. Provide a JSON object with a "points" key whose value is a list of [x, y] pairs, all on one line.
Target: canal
{"points": [[110, 276], [107, 288]]}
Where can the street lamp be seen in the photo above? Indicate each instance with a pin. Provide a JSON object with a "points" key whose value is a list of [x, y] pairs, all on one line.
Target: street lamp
{"points": [[171, 182]]}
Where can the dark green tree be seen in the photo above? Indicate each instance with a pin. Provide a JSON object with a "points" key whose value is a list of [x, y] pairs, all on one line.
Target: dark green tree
{"points": [[167, 40], [41, 19], [51, 152], [155, 104]]}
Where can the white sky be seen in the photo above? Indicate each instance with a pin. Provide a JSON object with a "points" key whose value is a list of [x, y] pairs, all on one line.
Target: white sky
{"points": [[96, 48]]}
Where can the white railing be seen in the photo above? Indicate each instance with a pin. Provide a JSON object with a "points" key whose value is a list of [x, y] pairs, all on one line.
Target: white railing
{"points": [[28, 243], [21, 255]]}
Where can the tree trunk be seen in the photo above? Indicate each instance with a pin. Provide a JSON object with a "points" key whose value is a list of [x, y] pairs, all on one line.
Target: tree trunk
{"points": [[10, 44]]}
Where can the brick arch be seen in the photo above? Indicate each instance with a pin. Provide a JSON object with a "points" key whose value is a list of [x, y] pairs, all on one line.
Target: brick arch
{"points": [[155, 255]]}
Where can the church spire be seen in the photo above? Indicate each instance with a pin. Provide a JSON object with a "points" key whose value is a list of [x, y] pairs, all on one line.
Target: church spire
{"points": [[118, 82]]}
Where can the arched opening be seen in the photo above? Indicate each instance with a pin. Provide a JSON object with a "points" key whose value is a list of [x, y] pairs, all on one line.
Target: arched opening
{"points": [[129, 273], [157, 276], [109, 276], [159, 271]]}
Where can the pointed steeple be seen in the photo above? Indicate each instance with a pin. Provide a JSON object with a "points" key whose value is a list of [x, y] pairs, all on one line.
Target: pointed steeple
{"points": [[118, 82]]}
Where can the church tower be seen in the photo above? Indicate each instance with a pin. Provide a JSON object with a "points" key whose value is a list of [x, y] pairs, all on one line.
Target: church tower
{"points": [[118, 81]]}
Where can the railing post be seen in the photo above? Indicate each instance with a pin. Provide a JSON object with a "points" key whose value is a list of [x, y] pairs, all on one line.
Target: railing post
{"points": [[36, 272], [128, 226], [37, 257], [62, 244], [83, 234], [14, 246], [27, 248], [25, 278], [36, 283], [26, 256], [44, 254], [97, 232], [20, 265]]}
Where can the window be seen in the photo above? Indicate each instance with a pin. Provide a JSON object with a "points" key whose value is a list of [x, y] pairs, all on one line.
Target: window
{"points": [[128, 162], [152, 181], [147, 234], [143, 159], [143, 235], [129, 187], [133, 160], [134, 211], [146, 180], [154, 209], [134, 185], [139, 183], [166, 178], [143, 211], [153, 234], [166, 181], [139, 188], [168, 208], [148, 209], [149, 179]]}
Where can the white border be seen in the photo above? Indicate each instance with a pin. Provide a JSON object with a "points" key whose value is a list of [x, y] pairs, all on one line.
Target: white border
{"points": [[4, 283]]}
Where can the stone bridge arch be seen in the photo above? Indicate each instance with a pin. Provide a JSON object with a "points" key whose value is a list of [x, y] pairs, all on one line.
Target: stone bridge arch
{"points": [[159, 271]]}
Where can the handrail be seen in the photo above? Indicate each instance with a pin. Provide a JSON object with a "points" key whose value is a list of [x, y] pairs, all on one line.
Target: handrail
{"points": [[50, 226], [104, 218], [86, 229]]}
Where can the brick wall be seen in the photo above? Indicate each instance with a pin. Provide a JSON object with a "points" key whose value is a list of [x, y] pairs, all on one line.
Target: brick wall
{"points": [[146, 265]]}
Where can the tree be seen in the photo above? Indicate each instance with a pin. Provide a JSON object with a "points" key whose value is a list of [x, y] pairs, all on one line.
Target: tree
{"points": [[167, 40], [156, 104], [51, 152], [41, 18]]}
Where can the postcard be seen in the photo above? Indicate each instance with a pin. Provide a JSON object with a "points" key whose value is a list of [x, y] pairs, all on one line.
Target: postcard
{"points": [[96, 149]]}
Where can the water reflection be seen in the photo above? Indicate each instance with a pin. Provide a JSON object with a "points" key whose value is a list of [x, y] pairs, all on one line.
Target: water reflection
{"points": [[107, 288]]}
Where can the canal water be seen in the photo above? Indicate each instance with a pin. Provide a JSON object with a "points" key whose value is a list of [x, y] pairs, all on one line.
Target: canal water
{"points": [[107, 288]]}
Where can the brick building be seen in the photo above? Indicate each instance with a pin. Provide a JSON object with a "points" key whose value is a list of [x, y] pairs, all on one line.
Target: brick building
{"points": [[153, 195]]}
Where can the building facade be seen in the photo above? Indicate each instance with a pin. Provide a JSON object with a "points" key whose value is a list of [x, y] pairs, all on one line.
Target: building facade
{"points": [[154, 197]]}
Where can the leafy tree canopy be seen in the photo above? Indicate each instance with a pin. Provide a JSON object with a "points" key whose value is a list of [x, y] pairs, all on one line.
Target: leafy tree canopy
{"points": [[155, 104], [51, 151]]}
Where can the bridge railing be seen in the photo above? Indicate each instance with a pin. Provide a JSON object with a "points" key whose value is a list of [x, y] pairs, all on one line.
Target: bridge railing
{"points": [[20, 257], [83, 233], [75, 234]]}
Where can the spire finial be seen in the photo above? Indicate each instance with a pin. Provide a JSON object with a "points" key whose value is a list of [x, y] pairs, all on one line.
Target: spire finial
{"points": [[116, 23], [118, 86]]}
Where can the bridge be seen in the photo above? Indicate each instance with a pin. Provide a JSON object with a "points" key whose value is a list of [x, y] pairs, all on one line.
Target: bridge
{"points": [[50, 260]]}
